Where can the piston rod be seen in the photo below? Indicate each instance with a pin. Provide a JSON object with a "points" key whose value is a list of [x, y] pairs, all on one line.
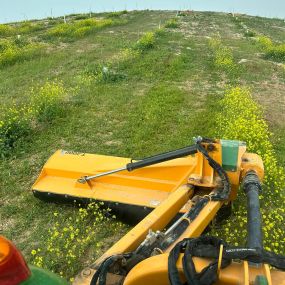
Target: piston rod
{"points": [[146, 162]]}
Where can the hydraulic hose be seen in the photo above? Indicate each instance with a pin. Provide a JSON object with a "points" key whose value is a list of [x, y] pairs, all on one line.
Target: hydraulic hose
{"points": [[252, 187]]}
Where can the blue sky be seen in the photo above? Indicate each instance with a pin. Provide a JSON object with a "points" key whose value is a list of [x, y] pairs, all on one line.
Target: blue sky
{"points": [[18, 10]]}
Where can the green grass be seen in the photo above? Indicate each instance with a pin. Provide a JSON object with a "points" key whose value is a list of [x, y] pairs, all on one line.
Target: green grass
{"points": [[145, 102]]}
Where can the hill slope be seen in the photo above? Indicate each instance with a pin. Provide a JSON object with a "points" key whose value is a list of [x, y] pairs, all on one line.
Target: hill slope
{"points": [[119, 91]]}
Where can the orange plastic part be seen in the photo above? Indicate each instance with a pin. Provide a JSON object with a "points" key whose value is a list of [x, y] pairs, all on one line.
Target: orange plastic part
{"points": [[154, 270]]}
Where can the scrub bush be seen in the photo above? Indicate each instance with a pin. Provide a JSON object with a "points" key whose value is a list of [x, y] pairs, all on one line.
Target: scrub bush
{"points": [[79, 28], [86, 23], [6, 30], [264, 42], [117, 14], [108, 22], [276, 52], [17, 51], [242, 119], [14, 124], [60, 30], [246, 31], [29, 27], [17, 121], [172, 24], [47, 101], [272, 51], [81, 16], [146, 42], [20, 28], [249, 33], [81, 32], [20, 41]]}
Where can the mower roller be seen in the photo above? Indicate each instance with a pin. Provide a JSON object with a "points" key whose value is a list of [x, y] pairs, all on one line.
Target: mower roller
{"points": [[175, 195]]}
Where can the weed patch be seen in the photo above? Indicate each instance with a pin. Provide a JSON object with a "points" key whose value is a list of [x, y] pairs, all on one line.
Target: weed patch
{"points": [[117, 14], [6, 30], [20, 29], [276, 52], [66, 245], [81, 16], [17, 51], [271, 50], [242, 119], [81, 28], [146, 42], [18, 121], [264, 42], [29, 27], [172, 24], [104, 73], [223, 59], [249, 33], [14, 124], [46, 102]]}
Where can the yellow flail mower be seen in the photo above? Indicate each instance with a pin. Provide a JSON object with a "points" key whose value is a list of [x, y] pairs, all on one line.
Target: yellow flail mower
{"points": [[175, 196]]}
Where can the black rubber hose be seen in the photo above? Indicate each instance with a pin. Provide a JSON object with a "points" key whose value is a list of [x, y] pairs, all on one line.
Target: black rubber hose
{"points": [[162, 157], [224, 192], [252, 187], [173, 274]]}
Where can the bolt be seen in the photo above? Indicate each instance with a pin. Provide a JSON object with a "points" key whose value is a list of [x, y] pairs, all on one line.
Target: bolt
{"points": [[211, 147], [86, 272]]}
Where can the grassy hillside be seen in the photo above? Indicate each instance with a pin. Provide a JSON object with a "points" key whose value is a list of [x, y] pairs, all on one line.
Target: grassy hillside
{"points": [[131, 84]]}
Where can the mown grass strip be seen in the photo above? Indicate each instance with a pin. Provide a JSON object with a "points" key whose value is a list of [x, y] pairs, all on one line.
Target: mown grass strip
{"points": [[150, 125], [112, 71]]}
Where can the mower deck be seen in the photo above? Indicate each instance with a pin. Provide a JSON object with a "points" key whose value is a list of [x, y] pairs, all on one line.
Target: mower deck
{"points": [[146, 187]]}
